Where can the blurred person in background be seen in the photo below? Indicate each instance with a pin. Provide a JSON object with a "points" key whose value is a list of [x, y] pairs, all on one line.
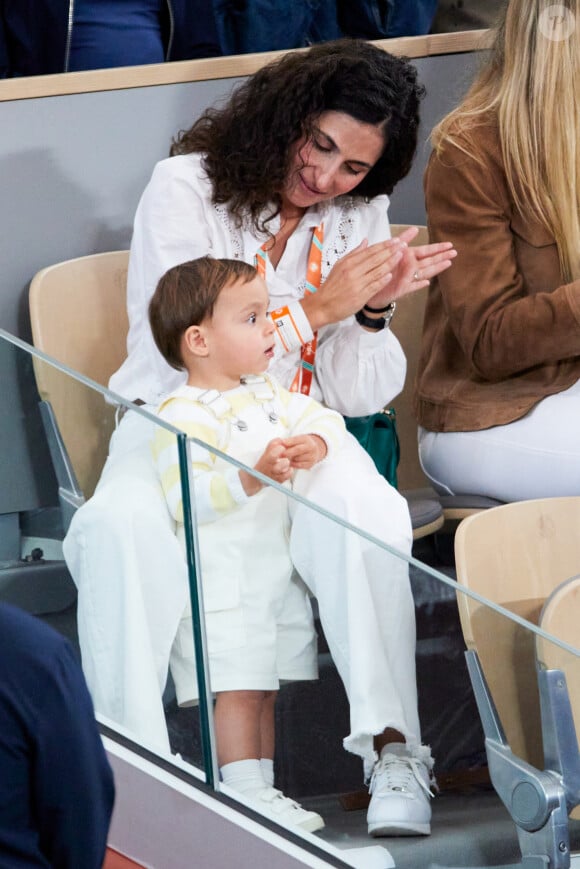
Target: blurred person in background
{"points": [[453, 15], [39, 37], [247, 26], [271, 25], [373, 19]]}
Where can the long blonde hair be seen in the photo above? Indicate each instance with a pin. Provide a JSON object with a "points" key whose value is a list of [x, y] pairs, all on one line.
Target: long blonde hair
{"points": [[531, 86]]}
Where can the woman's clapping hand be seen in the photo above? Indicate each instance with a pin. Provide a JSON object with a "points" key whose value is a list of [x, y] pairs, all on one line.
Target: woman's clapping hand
{"points": [[376, 274]]}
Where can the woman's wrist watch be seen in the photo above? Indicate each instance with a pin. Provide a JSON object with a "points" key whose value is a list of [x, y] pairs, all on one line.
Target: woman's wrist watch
{"points": [[376, 323]]}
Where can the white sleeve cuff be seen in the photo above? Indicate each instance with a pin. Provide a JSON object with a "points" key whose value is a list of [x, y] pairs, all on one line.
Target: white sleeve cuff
{"points": [[302, 321], [292, 327], [234, 483]]}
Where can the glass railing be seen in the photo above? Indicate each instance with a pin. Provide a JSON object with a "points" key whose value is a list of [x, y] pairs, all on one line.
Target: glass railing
{"points": [[128, 614]]}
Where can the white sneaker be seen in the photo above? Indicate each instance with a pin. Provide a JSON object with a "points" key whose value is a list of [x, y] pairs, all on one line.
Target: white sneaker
{"points": [[285, 811], [400, 791]]}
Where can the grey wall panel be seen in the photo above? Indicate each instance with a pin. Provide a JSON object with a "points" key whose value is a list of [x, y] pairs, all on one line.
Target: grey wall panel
{"points": [[446, 79], [72, 169]]}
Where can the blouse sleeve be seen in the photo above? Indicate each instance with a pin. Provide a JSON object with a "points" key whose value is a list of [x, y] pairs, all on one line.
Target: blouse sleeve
{"points": [[502, 327], [359, 372]]}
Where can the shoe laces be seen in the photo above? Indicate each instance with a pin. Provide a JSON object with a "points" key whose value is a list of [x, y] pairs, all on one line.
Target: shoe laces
{"points": [[395, 773]]}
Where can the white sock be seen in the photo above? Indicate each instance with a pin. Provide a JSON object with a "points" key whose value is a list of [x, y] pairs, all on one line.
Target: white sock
{"points": [[244, 776], [267, 767]]}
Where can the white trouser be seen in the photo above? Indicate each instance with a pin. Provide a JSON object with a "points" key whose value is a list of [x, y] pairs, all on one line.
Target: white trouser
{"points": [[128, 566], [537, 456], [363, 592], [129, 569]]}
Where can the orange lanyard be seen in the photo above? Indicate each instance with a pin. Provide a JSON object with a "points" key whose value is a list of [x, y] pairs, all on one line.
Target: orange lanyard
{"points": [[303, 377]]}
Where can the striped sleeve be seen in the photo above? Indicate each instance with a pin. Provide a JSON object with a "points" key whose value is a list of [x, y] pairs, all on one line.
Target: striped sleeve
{"points": [[304, 415], [215, 493]]}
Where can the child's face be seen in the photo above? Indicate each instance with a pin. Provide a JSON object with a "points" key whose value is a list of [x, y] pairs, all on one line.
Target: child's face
{"points": [[240, 335]]}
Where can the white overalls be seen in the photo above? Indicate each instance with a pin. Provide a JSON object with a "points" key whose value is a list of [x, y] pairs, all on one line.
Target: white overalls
{"points": [[258, 615]]}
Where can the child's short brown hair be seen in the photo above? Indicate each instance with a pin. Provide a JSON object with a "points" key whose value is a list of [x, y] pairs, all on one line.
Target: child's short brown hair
{"points": [[186, 295]]}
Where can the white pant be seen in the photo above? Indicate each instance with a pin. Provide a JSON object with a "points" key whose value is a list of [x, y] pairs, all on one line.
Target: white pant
{"points": [[537, 456], [130, 572]]}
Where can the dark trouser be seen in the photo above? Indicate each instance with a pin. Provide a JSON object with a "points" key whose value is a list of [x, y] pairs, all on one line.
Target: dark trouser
{"points": [[467, 15], [381, 19], [271, 25]]}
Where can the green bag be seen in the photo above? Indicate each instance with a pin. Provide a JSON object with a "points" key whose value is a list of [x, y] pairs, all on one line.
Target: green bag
{"points": [[377, 434]]}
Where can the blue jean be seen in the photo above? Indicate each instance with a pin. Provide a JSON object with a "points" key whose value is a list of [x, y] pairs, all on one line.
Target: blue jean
{"points": [[271, 25], [381, 19]]}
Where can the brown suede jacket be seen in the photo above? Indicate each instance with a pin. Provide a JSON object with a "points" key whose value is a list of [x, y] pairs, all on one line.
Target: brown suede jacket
{"points": [[501, 331]]}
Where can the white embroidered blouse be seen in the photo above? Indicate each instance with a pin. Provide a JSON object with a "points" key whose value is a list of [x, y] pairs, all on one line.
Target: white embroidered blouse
{"points": [[356, 372]]}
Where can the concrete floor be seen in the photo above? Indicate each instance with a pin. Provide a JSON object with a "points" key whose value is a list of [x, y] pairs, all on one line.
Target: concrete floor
{"points": [[469, 829]]}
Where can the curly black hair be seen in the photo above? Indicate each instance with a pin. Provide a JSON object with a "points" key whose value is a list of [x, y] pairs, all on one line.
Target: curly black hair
{"points": [[247, 142]]}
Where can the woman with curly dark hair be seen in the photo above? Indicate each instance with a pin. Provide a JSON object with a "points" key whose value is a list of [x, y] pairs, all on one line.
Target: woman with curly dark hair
{"points": [[292, 174], [247, 144]]}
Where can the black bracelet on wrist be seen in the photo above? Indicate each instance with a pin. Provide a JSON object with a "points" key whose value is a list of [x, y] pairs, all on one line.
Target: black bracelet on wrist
{"points": [[376, 324], [378, 310], [380, 322]]}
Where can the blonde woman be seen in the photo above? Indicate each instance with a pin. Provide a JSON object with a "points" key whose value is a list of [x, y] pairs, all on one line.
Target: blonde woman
{"points": [[498, 391]]}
